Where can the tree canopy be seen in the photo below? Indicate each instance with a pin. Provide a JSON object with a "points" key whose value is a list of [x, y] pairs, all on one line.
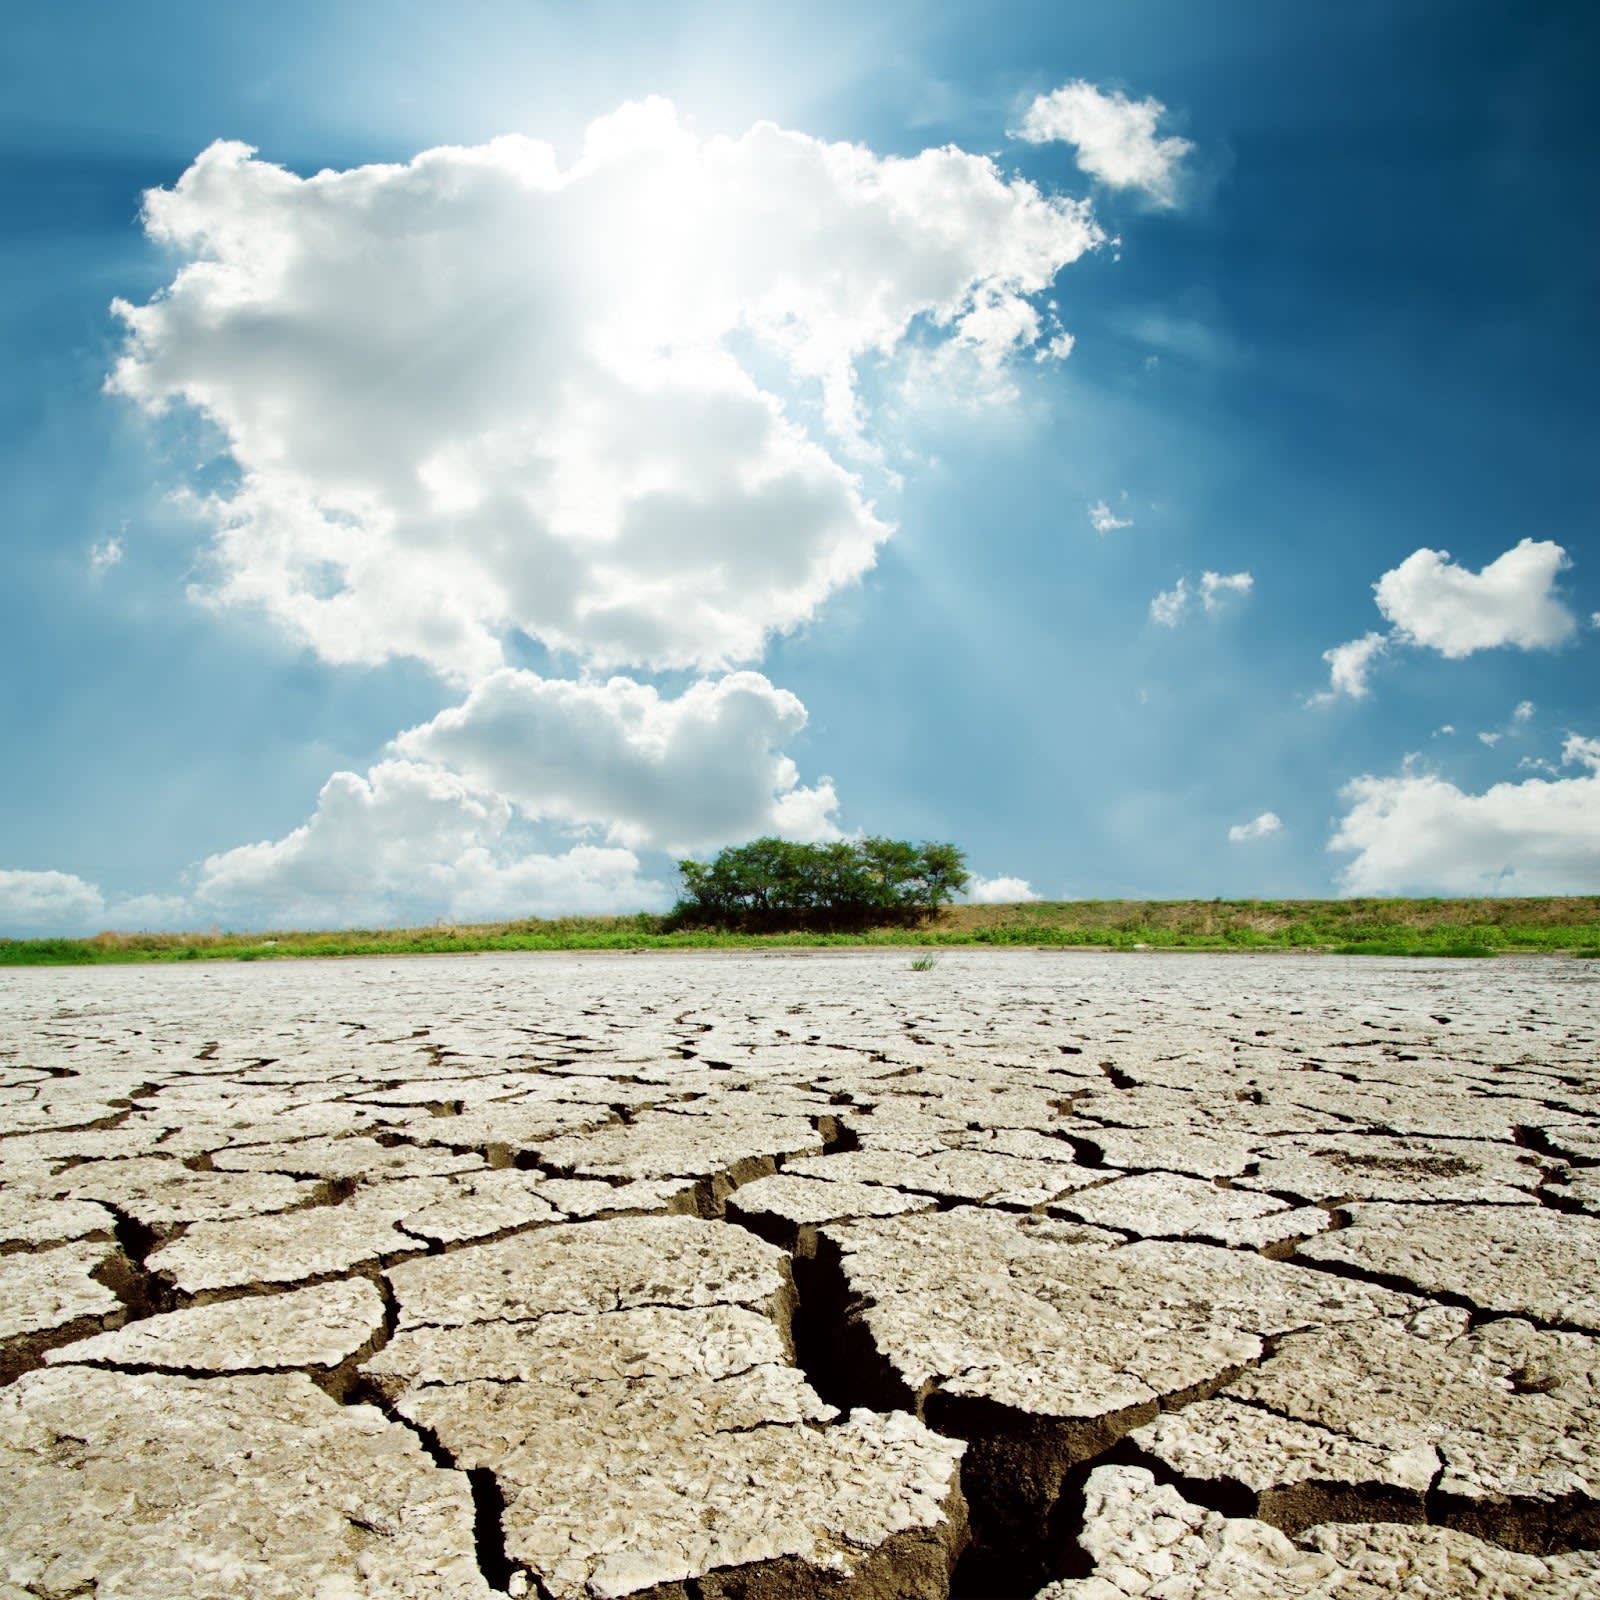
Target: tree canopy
{"points": [[776, 884]]}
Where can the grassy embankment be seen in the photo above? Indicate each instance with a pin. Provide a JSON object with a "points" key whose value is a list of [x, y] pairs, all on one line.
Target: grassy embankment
{"points": [[1568, 924]]}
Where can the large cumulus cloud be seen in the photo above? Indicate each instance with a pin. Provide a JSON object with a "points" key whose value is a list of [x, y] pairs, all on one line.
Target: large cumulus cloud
{"points": [[441, 827], [409, 842], [483, 392], [658, 773], [1417, 833]]}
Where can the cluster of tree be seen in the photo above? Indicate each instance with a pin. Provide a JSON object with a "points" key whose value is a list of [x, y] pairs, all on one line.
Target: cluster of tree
{"points": [[774, 885]]}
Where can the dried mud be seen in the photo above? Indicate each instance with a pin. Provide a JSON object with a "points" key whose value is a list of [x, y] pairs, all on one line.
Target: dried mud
{"points": [[758, 1276]]}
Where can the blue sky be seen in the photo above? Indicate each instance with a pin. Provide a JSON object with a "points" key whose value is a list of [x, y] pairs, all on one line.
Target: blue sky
{"points": [[487, 483]]}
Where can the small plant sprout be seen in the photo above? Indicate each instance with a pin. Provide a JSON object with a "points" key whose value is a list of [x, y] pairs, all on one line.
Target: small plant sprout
{"points": [[925, 963]]}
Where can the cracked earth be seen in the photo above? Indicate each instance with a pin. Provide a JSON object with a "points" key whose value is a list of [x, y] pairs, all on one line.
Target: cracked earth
{"points": [[755, 1276]]}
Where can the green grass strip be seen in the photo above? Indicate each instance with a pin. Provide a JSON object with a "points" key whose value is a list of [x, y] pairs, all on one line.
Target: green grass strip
{"points": [[1467, 929]]}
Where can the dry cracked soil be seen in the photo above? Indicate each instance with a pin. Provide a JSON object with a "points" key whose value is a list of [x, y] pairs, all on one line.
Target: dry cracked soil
{"points": [[755, 1276]]}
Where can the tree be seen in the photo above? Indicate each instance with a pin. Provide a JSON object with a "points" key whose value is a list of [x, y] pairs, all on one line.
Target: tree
{"points": [[771, 885]]}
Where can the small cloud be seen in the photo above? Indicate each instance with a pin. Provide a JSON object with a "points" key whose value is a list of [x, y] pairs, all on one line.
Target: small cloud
{"points": [[999, 891], [1168, 607], [1257, 828], [1058, 348], [1215, 587], [1456, 611], [1348, 666], [1448, 728], [105, 555], [1521, 715], [1104, 520], [1115, 138]]}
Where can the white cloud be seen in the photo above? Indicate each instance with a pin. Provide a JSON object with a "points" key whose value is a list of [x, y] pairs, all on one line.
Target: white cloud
{"points": [[1115, 138], [702, 770], [1168, 607], [1171, 605], [972, 368], [1257, 828], [1521, 716], [410, 843], [1215, 587], [1418, 833], [480, 392], [39, 903], [1104, 520], [407, 843], [1439, 606], [1056, 348], [999, 891], [105, 554], [1348, 668], [1455, 611]]}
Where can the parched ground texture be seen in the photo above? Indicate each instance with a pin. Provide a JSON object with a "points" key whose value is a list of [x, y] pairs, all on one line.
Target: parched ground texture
{"points": [[767, 1275]]}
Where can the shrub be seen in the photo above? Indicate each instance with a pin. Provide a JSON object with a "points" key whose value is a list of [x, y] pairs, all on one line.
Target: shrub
{"points": [[772, 885]]}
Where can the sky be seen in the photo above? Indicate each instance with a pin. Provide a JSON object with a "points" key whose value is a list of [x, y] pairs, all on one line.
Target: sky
{"points": [[460, 463]]}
